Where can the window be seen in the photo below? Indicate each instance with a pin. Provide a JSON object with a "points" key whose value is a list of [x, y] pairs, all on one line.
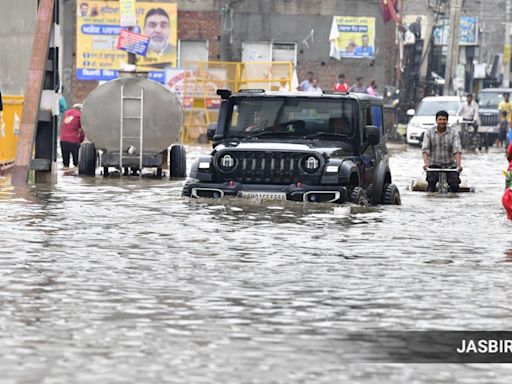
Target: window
{"points": [[292, 117], [191, 51], [284, 52]]}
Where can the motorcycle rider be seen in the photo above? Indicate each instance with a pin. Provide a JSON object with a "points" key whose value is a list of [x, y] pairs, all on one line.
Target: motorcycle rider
{"points": [[469, 111]]}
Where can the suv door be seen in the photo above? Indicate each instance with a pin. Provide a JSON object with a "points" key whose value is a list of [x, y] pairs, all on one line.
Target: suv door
{"points": [[368, 160]]}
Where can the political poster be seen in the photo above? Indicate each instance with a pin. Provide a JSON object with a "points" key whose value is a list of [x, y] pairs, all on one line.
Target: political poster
{"points": [[352, 37], [98, 27], [468, 34]]}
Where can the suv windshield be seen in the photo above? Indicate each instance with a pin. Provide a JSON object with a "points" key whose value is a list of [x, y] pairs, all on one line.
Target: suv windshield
{"points": [[297, 117], [431, 107], [489, 99]]}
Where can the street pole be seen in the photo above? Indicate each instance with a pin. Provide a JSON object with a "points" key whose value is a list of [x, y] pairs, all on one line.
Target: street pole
{"points": [[452, 58], [506, 51]]}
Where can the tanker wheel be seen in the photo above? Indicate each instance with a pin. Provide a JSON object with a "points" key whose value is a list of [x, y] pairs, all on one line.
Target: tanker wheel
{"points": [[87, 160], [178, 166]]}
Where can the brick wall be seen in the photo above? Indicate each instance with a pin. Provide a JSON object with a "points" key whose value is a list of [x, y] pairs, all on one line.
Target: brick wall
{"points": [[196, 25]]}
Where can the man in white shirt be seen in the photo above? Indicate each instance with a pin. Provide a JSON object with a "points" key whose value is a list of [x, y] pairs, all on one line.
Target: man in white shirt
{"points": [[306, 84], [469, 110]]}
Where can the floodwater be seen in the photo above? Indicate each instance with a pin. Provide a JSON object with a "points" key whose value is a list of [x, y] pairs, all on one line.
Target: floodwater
{"points": [[122, 280]]}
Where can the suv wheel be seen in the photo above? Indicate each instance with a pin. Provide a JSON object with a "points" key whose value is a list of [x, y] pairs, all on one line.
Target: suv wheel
{"points": [[391, 195], [358, 197]]}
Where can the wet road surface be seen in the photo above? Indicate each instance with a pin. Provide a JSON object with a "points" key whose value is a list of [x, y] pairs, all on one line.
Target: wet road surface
{"points": [[122, 280]]}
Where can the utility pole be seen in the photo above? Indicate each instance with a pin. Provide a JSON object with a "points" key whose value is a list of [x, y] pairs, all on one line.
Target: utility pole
{"points": [[452, 58], [506, 51]]}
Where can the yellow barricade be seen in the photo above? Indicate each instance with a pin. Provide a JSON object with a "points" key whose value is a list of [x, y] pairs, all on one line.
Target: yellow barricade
{"points": [[13, 107], [199, 91]]}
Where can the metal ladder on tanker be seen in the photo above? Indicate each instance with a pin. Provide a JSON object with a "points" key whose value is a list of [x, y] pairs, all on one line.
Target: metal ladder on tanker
{"points": [[122, 138]]}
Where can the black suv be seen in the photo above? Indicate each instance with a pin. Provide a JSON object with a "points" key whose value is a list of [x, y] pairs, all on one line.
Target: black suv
{"points": [[310, 147]]}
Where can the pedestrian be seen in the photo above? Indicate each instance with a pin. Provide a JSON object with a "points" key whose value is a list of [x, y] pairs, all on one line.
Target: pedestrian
{"points": [[505, 105], [506, 200], [372, 89], [442, 149], [314, 86], [469, 111], [504, 127], [341, 85], [71, 135], [283, 85], [509, 136], [306, 84], [62, 104], [359, 87]]}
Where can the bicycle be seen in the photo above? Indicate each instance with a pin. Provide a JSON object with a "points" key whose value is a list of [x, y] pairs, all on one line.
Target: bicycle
{"points": [[470, 139], [442, 184]]}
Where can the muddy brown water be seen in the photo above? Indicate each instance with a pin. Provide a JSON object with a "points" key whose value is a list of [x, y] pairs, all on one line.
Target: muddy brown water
{"points": [[122, 280]]}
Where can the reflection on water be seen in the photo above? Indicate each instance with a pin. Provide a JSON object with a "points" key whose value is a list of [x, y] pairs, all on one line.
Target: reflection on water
{"points": [[99, 273]]}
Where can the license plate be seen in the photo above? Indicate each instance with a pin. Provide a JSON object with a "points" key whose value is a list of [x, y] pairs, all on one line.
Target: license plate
{"points": [[264, 195]]}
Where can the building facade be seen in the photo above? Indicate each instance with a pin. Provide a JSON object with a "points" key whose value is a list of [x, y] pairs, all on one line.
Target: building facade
{"points": [[238, 30]]}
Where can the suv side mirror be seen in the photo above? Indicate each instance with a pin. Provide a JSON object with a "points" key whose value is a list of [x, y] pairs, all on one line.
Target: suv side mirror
{"points": [[372, 134], [210, 131], [410, 112]]}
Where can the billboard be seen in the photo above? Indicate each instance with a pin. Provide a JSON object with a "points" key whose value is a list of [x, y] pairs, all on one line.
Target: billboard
{"points": [[98, 28], [468, 31], [352, 37]]}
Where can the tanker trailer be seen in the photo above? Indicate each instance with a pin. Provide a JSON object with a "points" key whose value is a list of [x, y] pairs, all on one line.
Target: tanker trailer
{"points": [[132, 121]]}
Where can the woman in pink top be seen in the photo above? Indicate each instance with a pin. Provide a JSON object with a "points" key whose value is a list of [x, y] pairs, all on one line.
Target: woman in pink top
{"points": [[372, 89]]}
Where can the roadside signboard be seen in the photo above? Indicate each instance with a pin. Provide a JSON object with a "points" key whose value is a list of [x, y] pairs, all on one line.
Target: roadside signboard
{"points": [[132, 42]]}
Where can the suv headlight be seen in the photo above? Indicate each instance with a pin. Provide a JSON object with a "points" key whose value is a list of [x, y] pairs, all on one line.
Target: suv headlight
{"points": [[227, 162], [415, 125], [310, 163]]}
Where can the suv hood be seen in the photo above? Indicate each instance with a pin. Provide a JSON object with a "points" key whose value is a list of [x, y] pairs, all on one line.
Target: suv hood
{"points": [[328, 149]]}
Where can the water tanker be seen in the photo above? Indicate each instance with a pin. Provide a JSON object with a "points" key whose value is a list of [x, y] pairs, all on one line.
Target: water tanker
{"points": [[133, 121]]}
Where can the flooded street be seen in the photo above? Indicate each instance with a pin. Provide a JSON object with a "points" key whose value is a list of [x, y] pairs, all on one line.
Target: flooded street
{"points": [[122, 280]]}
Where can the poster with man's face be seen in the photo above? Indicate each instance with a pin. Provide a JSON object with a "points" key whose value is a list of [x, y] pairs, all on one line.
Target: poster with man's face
{"points": [[98, 27], [159, 23]]}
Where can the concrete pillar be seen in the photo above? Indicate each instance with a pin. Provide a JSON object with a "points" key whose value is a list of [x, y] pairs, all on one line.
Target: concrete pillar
{"points": [[452, 58]]}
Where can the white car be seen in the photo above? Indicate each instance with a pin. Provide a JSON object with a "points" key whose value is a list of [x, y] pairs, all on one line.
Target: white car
{"points": [[425, 115]]}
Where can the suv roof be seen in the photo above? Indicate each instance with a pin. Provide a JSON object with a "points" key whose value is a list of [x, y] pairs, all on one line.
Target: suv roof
{"points": [[323, 94]]}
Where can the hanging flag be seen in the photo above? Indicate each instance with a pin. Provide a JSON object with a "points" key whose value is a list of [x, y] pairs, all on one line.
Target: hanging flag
{"points": [[333, 39], [385, 10]]}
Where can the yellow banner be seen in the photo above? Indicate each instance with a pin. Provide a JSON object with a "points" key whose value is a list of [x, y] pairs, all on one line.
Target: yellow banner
{"points": [[352, 37], [98, 26], [506, 54]]}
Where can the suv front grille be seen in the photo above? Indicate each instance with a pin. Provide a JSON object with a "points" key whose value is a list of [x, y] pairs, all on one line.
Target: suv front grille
{"points": [[260, 167], [489, 120]]}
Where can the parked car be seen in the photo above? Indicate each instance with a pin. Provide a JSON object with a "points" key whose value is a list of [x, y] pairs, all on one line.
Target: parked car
{"points": [[306, 147], [425, 115], [488, 99]]}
